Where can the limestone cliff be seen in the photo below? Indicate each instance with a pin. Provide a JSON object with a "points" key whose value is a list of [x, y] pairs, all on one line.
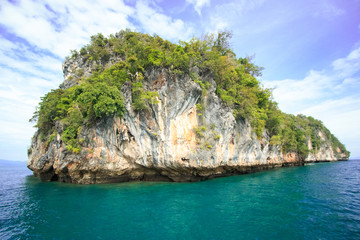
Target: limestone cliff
{"points": [[175, 139]]}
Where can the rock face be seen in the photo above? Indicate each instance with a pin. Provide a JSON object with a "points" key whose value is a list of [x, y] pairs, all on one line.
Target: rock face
{"points": [[326, 153], [172, 141]]}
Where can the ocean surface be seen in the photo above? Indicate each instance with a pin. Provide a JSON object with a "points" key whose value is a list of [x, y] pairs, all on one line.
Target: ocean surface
{"points": [[317, 201]]}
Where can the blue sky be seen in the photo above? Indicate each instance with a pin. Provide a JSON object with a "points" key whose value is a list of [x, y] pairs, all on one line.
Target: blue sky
{"points": [[310, 51]]}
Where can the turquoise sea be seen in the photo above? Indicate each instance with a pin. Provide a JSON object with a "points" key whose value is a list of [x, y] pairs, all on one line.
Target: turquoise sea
{"points": [[317, 201]]}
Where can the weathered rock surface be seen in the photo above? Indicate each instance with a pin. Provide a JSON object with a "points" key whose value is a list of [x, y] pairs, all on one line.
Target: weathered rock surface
{"points": [[326, 153], [162, 143]]}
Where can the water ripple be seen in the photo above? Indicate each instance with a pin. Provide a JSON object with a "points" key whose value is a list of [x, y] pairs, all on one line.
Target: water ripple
{"points": [[319, 201]]}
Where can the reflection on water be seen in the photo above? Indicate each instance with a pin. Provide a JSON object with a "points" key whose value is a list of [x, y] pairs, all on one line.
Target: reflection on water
{"points": [[316, 201]]}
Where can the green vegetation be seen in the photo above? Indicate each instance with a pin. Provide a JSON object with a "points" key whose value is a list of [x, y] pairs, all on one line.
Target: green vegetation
{"points": [[99, 95], [204, 137], [292, 133], [200, 132], [74, 107]]}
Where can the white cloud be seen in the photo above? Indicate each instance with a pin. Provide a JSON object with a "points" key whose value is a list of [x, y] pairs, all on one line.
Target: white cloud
{"points": [[327, 10], [199, 4], [68, 25], [59, 26], [228, 15], [40, 66], [349, 65], [300, 90], [155, 22], [339, 79], [333, 107]]}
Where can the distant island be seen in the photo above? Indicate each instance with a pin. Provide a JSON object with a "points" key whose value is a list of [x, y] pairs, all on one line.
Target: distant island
{"points": [[136, 107]]}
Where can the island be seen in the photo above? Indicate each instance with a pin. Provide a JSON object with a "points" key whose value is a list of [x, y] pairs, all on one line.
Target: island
{"points": [[136, 107]]}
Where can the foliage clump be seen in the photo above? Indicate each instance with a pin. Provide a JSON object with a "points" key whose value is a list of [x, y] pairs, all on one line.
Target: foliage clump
{"points": [[235, 81], [75, 107]]}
